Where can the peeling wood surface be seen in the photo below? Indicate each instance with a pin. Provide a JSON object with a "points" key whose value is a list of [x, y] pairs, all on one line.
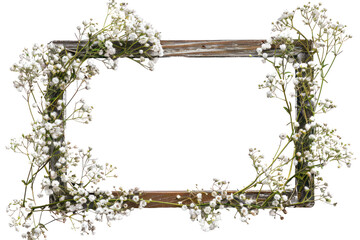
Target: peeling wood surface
{"points": [[201, 48], [210, 48], [171, 197], [198, 48], [304, 113]]}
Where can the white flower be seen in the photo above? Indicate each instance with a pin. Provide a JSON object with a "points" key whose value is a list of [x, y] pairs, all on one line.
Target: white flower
{"points": [[45, 182], [132, 36], [57, 122], [62, 160], [143, 39], [184, 207], [45, 149], [303, 65], [282, 136], [48, 191], [82, 200], [108, 44], [51, 67], [142, 203], [71, 208], [55, 183], [53, 175], [53, 114], [312, 64], [150, 32], [65, 59], [254, 212], [244, 211], [37, 232], [265, 46], [272, 213], [81, 191], [259, 51], [207, 210], [270, 76], [277, 197], [151, 64], [55, 80], [117, 206], [242, 196], [92, 198], [101, 37], [282, 47], [136, 198], [296, 65], [99, 210], [79, 206]]}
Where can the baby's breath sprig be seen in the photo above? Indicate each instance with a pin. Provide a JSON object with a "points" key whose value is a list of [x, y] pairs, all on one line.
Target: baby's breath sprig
{"points": [[70, 175], [316, 145]]}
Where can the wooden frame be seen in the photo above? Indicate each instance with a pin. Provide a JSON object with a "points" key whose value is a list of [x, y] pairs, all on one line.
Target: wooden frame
{"points": [[220, 48]]}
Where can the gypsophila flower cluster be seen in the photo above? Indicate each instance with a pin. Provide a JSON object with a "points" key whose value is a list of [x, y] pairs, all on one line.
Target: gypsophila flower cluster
{"points": [[302, 57], [70, 175]]}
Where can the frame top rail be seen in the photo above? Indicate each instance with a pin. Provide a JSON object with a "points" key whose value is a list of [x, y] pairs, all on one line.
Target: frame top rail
{"points": [[202, 48]]}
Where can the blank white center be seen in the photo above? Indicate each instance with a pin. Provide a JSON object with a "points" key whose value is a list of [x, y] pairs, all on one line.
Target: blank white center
{"points": [[188, 121]]}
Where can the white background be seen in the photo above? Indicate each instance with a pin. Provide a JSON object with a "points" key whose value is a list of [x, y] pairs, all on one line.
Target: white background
{"points": [[188, 121]]}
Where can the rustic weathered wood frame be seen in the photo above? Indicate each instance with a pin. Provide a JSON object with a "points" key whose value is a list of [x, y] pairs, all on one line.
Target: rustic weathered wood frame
{"points": [[222, 48]]}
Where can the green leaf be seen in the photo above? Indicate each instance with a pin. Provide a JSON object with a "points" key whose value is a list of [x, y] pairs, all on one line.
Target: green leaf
{"points": [[43, 226], [287, 110], [27, 183], [29, 215]]}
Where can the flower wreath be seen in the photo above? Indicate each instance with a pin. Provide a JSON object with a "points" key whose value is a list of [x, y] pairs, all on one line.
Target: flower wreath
{"points": [[46, 71]]}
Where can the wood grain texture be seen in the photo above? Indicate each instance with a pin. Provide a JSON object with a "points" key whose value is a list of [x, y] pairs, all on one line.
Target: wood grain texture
{"points": [[201, 48], [304, 112], [211, 48], [53, 95], [158, 197]]}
